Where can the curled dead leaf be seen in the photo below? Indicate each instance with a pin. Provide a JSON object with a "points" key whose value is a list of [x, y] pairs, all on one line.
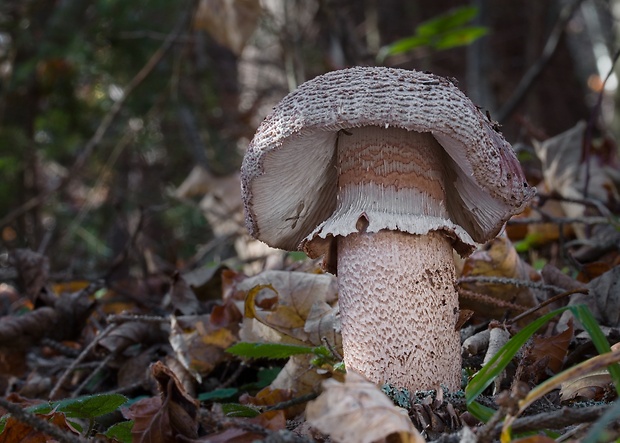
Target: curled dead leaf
{"points": [[284, 302], [493, 299], [358, 411]]}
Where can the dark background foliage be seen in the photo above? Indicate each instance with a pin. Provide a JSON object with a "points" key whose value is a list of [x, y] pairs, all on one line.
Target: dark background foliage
{"points": [[105, 106]]}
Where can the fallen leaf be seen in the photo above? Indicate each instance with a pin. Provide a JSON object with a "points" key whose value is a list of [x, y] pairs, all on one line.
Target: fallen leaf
{"points": [[16, 431], [283, 301], [182, 410], [200, 343], [544, 355], [595, 386], [602, 299], [554, 348], [62, 321], [489, 300], [130, 333], [564, 172], [358, 411], [151, 423]]}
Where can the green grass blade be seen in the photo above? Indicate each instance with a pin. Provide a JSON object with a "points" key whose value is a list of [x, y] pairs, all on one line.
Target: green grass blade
{"points": [[589, 323], [483, 378]]}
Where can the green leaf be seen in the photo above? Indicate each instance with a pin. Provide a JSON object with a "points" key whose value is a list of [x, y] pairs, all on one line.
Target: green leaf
{"points": [[121, 431], [445, 31], [445, 22], [238, 410], [83, 407], [91, 406], [268, 350], [459, 37], [266, 376], [481, 412], [218, 394]]}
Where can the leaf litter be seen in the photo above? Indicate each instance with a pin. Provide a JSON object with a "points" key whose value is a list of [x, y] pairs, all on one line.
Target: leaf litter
{"points": [[162, 341]]}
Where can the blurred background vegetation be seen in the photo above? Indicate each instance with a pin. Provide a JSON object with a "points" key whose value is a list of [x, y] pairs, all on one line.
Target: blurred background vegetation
{"points": [[107, 106]]}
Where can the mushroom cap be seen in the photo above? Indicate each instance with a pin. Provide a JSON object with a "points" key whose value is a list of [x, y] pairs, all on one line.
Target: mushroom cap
{"points": [[289, 177]]}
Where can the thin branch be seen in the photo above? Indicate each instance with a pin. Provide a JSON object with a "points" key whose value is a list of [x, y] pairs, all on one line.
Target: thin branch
{"points": [[293, 402], [555, 419], [548, 302], [124, 318], [537, 68], [79, 359], [39, 423], [519, 283]]}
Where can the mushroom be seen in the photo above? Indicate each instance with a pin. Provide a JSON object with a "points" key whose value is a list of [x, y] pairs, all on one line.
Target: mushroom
{"points": [[384, 172]]}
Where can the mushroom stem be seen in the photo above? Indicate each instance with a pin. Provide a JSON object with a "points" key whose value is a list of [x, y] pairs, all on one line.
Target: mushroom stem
{"points": [[399, 309], [398, 301]]}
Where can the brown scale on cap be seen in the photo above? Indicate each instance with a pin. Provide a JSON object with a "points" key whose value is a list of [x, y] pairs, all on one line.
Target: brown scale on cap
{"points": [[391, 169]]}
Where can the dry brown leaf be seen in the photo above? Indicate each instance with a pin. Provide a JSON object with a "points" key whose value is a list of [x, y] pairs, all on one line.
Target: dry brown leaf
{"points": [[323, 323], [553, 349], [248, 430], [564, 172], [358, 411], [182, 410], [544, 356], [498, 258], [543, 233], [199, 344], [301, 377], [603, 299], [266, 397], [151, 423], [61, 322], [282, 301], [595, 387], [230, 22], [18, 432], [130, 333]]}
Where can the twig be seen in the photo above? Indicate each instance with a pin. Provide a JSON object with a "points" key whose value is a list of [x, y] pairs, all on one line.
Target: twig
{"points": [[510, 282], [124, 318], [555, 419], [536, 69], [548, 302], [40, 424], [79, 359], [489, 300], [233, 377], [92, 374], [105, 123], [293, 402]]}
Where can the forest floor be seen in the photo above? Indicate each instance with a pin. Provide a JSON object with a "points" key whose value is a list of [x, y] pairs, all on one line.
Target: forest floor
{"points": [[215, 355]]}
